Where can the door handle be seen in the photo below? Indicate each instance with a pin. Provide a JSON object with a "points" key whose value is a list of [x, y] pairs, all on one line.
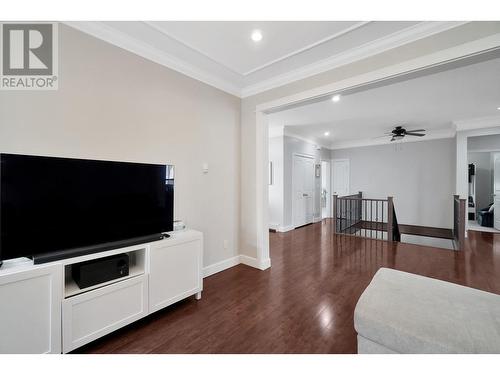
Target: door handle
{"points": [[305, 195]]}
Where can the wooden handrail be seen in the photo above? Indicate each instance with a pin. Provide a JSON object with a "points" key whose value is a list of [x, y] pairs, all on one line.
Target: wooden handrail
{"points": [[363, 199], [390, 219], [334, 213], [459, 207], [357, 195]]}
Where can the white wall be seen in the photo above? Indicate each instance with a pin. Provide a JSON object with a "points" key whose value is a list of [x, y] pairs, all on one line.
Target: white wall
{"points": [[251, 241], [114, 105], [281, 151], [276, 154], [419, 175], [484, 177]]}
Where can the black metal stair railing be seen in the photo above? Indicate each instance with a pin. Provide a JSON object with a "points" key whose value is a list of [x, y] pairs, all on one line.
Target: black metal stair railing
{"points": [[365, 217]]}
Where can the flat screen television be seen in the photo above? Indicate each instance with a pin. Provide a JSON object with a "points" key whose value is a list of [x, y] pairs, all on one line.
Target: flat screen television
{"points": [[53, 208]]}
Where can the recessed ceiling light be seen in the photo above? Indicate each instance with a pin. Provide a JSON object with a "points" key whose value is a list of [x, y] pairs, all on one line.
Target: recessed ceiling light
{"points": [[256, 35], [335, 98], [498, 108], [327, 134]]}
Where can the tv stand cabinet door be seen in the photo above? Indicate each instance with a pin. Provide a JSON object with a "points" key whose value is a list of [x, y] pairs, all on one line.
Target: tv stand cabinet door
{"points": [[30, 310], [175, 272], [90, 315]]}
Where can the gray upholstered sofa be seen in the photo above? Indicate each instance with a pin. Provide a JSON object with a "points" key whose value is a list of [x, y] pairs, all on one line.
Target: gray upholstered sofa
{"points": [[400, 312]]}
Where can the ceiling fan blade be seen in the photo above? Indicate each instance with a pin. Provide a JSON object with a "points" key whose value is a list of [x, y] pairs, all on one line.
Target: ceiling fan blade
{"points": [[415, 134], [382, 136], [393, 139], [414, 131]]}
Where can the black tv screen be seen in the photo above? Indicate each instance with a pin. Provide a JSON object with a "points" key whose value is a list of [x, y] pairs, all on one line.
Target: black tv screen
{"points": [[69, 207]]}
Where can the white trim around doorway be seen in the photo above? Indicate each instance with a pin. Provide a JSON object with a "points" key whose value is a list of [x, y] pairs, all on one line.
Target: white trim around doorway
{"points": [[308, 156], [446, 56]]}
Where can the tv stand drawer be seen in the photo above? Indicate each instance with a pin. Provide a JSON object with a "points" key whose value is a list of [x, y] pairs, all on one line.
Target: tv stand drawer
{"points": [[93, 314]]}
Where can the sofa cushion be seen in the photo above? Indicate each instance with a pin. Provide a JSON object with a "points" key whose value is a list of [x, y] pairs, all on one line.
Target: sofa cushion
{"points": [[366, 346], [408, 313]]}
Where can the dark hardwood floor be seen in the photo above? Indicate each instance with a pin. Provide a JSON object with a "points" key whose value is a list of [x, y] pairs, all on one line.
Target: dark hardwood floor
{"points": [[305, 302]]}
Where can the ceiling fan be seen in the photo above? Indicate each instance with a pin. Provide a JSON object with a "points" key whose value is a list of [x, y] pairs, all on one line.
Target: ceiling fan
{"points": [[400, 132]]}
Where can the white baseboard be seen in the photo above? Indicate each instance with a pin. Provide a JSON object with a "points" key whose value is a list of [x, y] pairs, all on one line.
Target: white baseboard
{"points": [[265, 264], [249, 261], [234, 261], [287, 228], [221, 266], [317, 219], [274, 227], [281, 228], [254, 262]]}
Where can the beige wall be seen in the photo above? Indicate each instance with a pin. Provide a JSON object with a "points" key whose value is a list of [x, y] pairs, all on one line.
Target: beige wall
{"points": [[112, 104], [249, 222]]}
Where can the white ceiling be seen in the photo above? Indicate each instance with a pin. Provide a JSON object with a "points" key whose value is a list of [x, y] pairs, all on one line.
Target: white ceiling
{"points": [[229, 43], [223, 55], [433, 102]]}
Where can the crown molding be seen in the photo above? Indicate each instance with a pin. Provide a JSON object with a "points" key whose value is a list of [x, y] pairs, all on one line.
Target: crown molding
{"points": [[160, 30], [431, 135], [394, 40], [481, 150], [108, 34], [347, 30], [164, 32], [477, 123], [316, 143]]}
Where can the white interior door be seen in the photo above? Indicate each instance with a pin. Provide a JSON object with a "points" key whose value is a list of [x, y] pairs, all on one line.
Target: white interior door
{"points": [[341, 177], [303, 190], [496, 187], [325, 189]]}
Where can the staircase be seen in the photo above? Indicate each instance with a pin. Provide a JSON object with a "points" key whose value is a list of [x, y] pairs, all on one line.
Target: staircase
{"points": [[376, 218]]}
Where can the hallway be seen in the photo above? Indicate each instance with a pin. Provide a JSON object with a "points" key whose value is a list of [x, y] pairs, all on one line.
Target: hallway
{"points": [[305, 302]]}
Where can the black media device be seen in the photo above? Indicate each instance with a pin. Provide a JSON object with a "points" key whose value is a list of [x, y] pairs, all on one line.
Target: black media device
{"points": [[55, 208], [97, 271]]}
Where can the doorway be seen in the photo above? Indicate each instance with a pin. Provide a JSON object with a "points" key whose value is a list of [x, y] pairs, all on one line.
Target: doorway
{"points": [[257, 237], [326, 196], [483, 175], [496, 192], [303, 189]]}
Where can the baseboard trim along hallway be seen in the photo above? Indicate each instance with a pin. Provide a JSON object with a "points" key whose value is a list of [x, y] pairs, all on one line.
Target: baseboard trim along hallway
{"points": [[234, 261]]}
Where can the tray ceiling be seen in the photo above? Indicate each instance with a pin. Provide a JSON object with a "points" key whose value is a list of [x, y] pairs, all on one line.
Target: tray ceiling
{"points": [[223, 54]]}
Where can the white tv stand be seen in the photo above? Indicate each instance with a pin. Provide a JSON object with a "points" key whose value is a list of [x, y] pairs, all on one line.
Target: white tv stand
{"points": [[42, 310]]}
